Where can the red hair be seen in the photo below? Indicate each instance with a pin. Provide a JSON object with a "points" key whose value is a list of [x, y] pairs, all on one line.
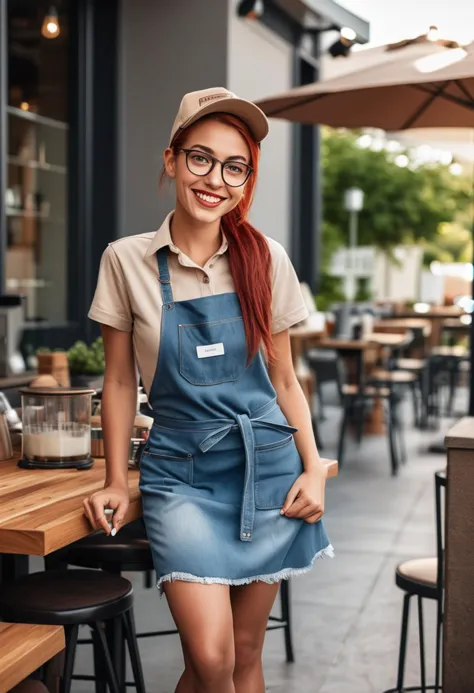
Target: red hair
{"points": [[249, 253]]}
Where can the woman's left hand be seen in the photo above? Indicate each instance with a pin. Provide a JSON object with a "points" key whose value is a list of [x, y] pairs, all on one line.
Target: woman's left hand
{"points": [[305, 499]]}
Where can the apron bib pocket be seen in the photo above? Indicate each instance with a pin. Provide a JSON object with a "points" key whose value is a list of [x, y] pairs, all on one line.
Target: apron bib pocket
{"points": [[277, 466], [212, 352]]}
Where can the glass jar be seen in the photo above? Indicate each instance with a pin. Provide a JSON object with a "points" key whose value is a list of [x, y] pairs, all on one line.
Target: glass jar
{"points": [[56, 427]]}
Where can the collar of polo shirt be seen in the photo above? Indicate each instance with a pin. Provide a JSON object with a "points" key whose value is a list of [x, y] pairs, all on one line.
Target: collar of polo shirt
{"points": [[163, 238]]}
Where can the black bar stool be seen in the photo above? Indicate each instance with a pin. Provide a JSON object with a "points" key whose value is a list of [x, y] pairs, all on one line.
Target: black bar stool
{"points": [[423, 578], [72, 598]]}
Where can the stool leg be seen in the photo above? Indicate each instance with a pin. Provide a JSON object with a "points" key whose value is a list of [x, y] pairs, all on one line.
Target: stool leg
{"points": [[131, 636], [439, 626], [107, 661], [116, 642], [403, 644], [391, 437], [99, 671], [342, 432], [286, 616], [71, 644], [422, 645]]}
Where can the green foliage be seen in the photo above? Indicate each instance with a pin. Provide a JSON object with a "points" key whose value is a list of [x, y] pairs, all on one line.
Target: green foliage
{"points": [[401, 205], [87, 360], [330, 291], [453, 244]]}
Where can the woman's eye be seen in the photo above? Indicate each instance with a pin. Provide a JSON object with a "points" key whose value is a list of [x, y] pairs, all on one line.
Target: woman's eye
{"points": [[235, 168], [200, 159]]}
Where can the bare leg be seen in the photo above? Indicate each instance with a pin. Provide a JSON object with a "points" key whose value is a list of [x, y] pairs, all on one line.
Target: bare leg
{"points": [[251, 607], [203, 616]]}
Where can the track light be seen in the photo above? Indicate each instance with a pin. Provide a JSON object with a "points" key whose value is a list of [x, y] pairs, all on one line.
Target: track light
{"points": [[50, 27], [342, 47], [251, 9]]}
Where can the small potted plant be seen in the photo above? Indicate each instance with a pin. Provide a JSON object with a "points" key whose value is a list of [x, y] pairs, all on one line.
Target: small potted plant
{"points": [[87, 364]]}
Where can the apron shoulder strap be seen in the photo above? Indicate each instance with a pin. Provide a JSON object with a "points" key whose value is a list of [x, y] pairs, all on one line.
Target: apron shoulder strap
{"points": [[164, 276]]}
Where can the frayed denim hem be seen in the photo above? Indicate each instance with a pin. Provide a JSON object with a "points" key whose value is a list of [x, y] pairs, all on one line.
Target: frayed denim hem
{"points": [[283, 574]]}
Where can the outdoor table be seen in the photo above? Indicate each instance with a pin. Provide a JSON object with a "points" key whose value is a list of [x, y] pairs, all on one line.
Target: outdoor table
{"points": [[435, 315], [420, 327], [455, 328], [301, 338], [24, 648], [41, 509], [358, 349]]}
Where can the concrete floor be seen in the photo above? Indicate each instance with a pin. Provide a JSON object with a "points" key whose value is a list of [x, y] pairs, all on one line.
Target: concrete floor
{"points": [[347, 611]]}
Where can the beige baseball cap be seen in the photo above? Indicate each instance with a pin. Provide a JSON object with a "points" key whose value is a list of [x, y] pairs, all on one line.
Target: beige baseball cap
{"points": [[197, 104]]}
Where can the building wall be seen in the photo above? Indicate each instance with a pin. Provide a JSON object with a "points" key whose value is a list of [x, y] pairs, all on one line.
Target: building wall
{"points": [[260, 63], [165, 50]]}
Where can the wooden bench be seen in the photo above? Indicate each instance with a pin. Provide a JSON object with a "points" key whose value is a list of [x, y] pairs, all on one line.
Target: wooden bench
{"points": [[24, 648]]}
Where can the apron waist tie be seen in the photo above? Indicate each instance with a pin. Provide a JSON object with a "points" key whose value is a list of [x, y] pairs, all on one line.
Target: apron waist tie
{"points": [[246, 426]]}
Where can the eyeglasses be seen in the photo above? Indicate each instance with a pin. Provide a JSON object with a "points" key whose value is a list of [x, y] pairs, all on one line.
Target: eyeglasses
{"points": [[234, 173]]}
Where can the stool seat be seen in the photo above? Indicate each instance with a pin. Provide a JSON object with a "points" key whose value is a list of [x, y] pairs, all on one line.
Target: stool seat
{"points": [[65, 597], [393, 377], [413, 365], [29, 686], [458, 352], [128, 553], [369, 391], [418, 576]]}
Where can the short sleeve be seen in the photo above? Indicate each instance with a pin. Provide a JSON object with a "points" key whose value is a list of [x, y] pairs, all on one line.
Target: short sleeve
{"points": [[111, 304], [288, 304]]}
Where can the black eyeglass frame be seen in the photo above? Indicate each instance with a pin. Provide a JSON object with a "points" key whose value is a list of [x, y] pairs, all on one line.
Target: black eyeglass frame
{"points": [[215, 161]]}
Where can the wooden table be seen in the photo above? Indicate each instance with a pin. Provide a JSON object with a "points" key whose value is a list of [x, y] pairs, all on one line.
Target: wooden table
{"points": [[24, 648], [360, 348], [436, 317], [404, 324], [41, 509]]}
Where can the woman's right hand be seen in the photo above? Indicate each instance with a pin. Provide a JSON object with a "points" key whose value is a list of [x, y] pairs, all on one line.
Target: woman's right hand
{"points": [[115, 497]]}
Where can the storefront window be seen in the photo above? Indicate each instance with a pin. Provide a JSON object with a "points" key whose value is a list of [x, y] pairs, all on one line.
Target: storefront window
{"points": [[37, 157]]}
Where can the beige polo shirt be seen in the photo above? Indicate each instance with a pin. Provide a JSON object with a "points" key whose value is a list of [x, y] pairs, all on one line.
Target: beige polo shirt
{"points": [[128, 295]]}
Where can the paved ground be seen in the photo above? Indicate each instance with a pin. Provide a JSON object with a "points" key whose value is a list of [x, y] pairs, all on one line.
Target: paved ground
{"points": [[347, 611]]}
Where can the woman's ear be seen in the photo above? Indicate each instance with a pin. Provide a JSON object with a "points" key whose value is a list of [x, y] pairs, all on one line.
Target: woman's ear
{"points": [[170, 162]]}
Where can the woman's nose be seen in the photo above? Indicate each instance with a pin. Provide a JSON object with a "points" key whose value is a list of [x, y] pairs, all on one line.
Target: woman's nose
{"points": [[214, 177]]}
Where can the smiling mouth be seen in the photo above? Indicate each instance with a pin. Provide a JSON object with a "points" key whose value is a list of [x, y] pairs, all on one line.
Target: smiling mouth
{"points": [[208, 199]]}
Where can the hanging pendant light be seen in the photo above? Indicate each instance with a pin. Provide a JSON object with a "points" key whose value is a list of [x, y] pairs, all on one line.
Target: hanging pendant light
{"points": [[50, 27]]}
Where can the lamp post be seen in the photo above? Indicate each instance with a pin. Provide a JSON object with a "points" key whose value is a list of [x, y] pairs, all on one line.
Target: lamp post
{"points": [[353, 203]]}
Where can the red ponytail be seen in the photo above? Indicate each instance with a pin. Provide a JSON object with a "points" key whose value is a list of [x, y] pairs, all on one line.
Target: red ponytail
{"points": [[249, 253]]}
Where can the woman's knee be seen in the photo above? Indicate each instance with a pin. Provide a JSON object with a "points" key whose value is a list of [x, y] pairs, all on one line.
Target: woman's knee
{"points": [[248, 649], [212, 662]]}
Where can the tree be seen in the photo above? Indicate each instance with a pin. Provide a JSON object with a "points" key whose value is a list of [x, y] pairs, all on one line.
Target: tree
{"points": [[402, 204]]}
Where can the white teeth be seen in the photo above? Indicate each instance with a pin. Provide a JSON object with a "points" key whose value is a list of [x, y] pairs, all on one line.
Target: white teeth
{"points": [[208, 198]]}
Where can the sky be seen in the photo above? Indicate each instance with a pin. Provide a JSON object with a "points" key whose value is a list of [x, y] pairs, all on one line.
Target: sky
{"points": [[393, 20]]}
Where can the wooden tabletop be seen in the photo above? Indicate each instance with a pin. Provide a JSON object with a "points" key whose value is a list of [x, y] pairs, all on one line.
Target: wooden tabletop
{"points": [[24, 648], [382, 339], [41, 509], [403, 324]]}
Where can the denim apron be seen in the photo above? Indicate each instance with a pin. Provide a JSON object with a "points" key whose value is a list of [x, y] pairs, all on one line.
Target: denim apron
{"points": [[221, 457]]}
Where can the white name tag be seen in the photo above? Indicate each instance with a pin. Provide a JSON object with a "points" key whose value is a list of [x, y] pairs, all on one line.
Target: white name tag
{"points": [[207, 350]]}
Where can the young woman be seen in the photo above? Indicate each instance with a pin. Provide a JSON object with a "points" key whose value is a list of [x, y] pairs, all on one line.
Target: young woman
{"points": [[231, 481]]}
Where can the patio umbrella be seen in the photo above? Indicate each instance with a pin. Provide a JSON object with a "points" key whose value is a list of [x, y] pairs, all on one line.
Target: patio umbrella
{"points": [[410, 85], [422, 85]]}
